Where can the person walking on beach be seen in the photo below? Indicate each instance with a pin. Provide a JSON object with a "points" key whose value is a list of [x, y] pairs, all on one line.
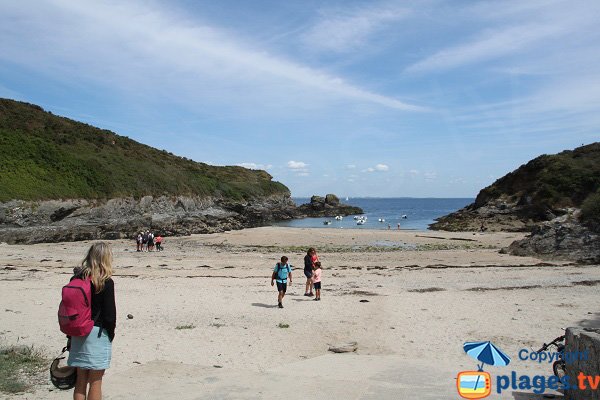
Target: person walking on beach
{"points": [[309, 264], [316, 278], [150, 241], [281, 273], [91, 354], [145, 241], [138, 241], [158, 241]]}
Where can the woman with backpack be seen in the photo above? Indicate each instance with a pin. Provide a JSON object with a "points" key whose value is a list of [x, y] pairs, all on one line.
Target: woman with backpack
{"points": [[91, 354]]}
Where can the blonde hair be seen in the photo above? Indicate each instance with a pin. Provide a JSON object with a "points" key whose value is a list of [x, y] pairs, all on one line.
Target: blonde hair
{"points": [[97, 265]]}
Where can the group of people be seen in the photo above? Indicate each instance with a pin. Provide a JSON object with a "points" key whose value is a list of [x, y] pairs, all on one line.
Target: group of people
{"points": [[146, 241], [91, 354], [282, 273]]}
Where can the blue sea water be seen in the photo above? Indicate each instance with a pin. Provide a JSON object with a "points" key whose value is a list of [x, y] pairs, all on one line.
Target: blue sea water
{"points": [[419, 213]]}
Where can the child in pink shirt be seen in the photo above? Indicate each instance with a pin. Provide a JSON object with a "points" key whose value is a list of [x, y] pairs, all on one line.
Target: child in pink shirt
{"points": [[316, 278]]}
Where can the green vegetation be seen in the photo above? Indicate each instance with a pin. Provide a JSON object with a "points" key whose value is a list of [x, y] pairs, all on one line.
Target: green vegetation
{"points": [[590, 210], [283, 325], [188, 326], [550, 182], [43, 156], [19, 366]]}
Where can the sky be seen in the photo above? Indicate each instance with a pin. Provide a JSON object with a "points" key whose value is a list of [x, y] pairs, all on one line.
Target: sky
{"points": [[377, 98]]}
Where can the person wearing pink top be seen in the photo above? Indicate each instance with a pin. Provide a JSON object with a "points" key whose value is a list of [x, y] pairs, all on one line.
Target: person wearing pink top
{"points": [[316, 278]]}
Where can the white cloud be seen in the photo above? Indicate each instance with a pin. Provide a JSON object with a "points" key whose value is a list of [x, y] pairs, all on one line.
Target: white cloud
{"points": [[255, 166], [378, 167], [302, 174], [350, 166], [296, 165], [144, 45], [414, 172], [340, 31], [492, 45], [430, 176]]}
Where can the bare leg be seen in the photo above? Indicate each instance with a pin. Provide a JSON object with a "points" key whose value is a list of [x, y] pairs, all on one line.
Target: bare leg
{"points": [[95, 381], [81, 384], [307, 285]]}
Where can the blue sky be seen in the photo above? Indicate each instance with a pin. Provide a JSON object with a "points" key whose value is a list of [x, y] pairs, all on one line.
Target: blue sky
{"points": [[358, 98]]}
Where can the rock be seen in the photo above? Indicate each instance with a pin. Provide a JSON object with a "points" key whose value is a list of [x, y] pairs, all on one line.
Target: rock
{"points": [[31, 222], [332, 200], [328, 206], [129, 316], [560, 240], [344, 347], [584, 342]]}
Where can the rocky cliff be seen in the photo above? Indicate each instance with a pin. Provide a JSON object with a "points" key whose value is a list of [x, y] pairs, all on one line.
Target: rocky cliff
{"points": [[65, 180], [69, 220], [554, 197]]}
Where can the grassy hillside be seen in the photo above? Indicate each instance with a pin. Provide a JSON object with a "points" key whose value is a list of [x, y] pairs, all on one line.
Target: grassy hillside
{"points": [[43, 156], [551, 182]]}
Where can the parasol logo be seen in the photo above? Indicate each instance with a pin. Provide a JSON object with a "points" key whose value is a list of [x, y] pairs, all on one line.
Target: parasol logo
{"points": [[478, 384]]}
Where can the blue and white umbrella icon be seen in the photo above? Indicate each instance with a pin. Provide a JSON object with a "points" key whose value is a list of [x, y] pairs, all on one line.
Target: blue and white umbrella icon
{"points": [[487, 353]]}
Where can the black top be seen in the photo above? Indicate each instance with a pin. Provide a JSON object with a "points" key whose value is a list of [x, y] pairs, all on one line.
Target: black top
{"points": [[104, 310], [308, 266]]}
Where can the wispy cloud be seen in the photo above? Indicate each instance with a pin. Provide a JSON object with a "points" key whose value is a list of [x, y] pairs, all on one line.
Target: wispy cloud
{"points": [[255, 166], [493, 45], [142, 46], [344, 30]]}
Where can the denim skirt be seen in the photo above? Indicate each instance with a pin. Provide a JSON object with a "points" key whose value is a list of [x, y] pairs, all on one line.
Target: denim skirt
{"points": [[92, 351]]}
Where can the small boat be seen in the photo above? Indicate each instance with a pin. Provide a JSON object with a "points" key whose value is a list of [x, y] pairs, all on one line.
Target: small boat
{"points": [[339, 217], [326, 222], [360, 222], [346, 199], [356, 217], [404, 216], [381, 220]]}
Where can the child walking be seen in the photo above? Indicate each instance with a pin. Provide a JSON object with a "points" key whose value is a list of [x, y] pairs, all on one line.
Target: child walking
{"points": [[281, 273], [316, 278]]}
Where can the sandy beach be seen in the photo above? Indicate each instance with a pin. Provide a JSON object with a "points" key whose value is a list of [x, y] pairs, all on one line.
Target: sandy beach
{"points": [[205, 323]]}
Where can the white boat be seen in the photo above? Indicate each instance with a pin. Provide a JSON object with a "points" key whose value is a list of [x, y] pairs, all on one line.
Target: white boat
{"points": [[404, 216], [381, 220], [360, 222], [346, 199], [326, 222], [356, 217], [339, 217]]}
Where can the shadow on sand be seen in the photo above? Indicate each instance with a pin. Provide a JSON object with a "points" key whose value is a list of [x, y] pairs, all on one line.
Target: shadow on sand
{"points": [[263, 305], [593, 322]]}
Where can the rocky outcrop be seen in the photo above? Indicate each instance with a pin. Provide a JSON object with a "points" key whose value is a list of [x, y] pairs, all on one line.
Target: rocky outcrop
{"points": [[328, 206], [71, 220], [498, 215], [541, 190], [562, 238]]}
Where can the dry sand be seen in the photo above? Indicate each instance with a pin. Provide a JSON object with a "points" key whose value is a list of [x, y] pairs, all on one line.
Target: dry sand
{"points": [[427, 293]]}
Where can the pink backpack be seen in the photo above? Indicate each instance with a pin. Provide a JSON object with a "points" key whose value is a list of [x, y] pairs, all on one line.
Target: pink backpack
{"points": [[75, 309]]}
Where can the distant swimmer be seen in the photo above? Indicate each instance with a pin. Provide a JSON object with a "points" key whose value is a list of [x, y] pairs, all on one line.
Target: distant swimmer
{"points": [[398, 225]]}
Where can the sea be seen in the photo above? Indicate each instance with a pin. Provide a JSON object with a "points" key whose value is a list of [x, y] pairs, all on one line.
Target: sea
{"points": [[385, 213]]}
